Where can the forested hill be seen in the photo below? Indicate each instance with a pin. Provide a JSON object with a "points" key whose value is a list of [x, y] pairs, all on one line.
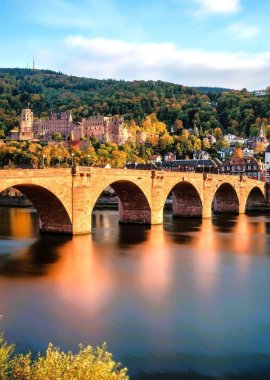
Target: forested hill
{"points": [[207, 108]]}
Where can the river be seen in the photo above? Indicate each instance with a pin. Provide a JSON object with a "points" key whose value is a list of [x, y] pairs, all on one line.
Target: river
{"points": [[190, 297]]}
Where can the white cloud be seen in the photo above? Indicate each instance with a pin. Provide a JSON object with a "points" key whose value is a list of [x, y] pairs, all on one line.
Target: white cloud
{"points": [[106, 58], [243, 31], [218, 6]]}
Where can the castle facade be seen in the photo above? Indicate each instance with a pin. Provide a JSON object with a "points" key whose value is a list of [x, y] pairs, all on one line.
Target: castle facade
{"points": [[103, 128]]}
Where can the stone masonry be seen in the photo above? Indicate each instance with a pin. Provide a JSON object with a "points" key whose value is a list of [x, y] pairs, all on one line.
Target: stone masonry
{"points": [[65, 198]]}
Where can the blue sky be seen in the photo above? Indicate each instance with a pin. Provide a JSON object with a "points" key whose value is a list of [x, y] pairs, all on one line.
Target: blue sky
{"points": [[191, 42]]}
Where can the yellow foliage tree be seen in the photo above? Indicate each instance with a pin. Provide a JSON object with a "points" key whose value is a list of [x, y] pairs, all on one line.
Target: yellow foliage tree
{"points": [[238, 153]]}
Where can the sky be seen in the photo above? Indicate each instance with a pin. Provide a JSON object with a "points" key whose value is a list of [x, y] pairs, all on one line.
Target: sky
{"points": [[224, 43]]}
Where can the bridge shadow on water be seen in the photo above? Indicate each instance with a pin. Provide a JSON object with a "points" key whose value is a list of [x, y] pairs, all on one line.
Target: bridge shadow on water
{"points": [[224, 222], [125, 234], [35, 259], [181, 230]]}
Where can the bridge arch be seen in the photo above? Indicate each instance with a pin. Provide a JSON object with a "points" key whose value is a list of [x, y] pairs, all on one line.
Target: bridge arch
{"points": [[133, 205], [186, 200], [53, 215], [255, 198], [225, 200]]}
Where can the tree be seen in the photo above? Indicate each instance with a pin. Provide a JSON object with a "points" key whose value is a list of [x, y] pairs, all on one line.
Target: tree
{"points": [[259, 148], [57, 136], [206, 144], [218, 133], [238, 153]]}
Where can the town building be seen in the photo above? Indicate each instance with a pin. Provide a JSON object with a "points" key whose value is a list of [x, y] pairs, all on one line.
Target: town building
{"points": [[248, 166], [225, 152], [267, 158], [155, 158], [198, 166], [201, 155], [233, 140], [169, 157]]}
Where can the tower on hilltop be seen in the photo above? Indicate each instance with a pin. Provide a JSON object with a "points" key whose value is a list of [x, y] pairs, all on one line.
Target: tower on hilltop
{"points": [[26, 124]]}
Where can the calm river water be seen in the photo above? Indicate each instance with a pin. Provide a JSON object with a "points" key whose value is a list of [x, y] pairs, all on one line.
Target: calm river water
{"points": [[192, 297]]}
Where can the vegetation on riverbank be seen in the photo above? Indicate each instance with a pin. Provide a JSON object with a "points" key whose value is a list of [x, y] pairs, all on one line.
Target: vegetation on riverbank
{"points": [[88, 364]]}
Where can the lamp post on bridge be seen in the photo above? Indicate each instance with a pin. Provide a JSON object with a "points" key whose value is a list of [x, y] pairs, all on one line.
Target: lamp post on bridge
{"points": [[43, 161], [72, 159], [88, 158], [59, 160]]}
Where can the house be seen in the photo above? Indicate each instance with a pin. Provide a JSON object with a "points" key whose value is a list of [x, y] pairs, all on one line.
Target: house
{"points": [[201, 154], [155, 158], [249, 166], [198, 166], [233, 140], [105, 166], [225, 152], [248, 152], [169, 157], [267, 158], [212, 140]]}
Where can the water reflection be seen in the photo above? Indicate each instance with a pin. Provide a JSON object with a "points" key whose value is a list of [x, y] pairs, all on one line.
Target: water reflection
{"points": [[189, 295]]}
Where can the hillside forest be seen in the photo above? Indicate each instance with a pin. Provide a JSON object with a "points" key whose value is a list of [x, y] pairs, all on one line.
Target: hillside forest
{"points": [[177, 118]]}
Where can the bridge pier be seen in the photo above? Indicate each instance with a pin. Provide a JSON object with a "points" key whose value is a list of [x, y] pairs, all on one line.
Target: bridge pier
{"points": [[133, 215], [81, 210], [267, 193]]}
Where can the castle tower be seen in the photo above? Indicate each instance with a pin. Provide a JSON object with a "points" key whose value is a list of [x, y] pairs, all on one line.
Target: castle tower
{"points": [[26, 124]]}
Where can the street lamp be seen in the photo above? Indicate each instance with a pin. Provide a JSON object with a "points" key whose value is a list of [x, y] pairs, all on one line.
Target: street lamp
{"points": [[72, 157], [43, 161], [88, 158], [59, 160]]}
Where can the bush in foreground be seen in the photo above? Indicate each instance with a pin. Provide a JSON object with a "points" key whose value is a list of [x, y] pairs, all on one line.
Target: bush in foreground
{"points": [[88, 364]]}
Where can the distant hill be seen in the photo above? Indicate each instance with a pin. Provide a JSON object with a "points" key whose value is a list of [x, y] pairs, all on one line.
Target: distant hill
{"points": [[213, 90], [205, 107]]}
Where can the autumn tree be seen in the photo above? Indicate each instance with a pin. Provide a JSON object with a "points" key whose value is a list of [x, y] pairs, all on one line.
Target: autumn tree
{"points": [[238, 153]]}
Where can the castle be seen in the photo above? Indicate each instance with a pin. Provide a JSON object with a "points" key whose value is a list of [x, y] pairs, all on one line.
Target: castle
{"points": [[103, 128]]}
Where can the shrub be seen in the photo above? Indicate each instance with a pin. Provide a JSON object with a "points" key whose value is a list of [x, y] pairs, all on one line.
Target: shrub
{"points": [[88, 364]]}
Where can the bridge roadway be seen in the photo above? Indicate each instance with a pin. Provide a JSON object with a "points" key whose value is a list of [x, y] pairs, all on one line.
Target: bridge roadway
{"points": [[65, 198]]}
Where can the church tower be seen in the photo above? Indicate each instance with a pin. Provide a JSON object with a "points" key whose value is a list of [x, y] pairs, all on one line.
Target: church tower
{"points": [[26, 124], [262, 136]]}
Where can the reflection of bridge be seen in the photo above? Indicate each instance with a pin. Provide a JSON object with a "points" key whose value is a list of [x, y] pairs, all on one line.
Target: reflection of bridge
{"points": [[65, 199]]}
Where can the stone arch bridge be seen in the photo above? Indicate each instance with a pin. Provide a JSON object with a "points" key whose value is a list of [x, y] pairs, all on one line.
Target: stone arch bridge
{"points": [[65, 198]]}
